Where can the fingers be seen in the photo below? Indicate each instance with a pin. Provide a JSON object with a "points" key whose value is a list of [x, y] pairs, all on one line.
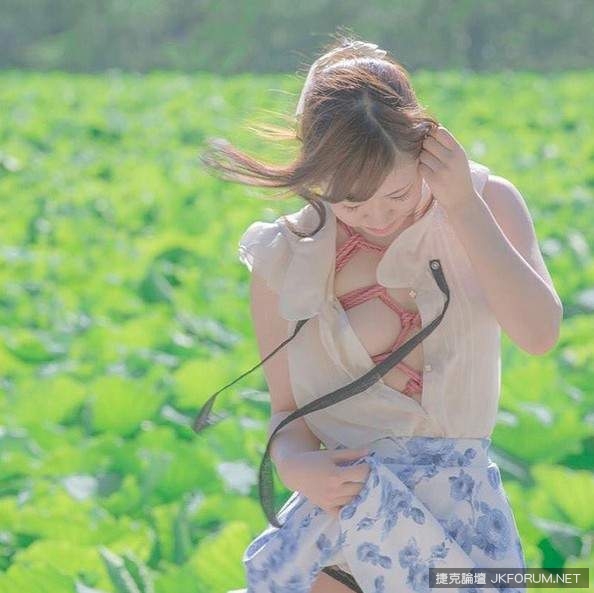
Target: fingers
{"points": [[355, 473], [347, 498], [351, 490], [346, 454], [347, 490]]}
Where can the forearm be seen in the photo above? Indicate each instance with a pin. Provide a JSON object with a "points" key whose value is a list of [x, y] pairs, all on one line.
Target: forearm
{"points": [[294, 438]]}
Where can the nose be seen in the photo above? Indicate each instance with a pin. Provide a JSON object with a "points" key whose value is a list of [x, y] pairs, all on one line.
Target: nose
{"points": [[378, 216]]}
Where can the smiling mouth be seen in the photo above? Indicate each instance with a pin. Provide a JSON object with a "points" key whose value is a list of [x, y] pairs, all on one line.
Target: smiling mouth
{"points": [[382, 230]]}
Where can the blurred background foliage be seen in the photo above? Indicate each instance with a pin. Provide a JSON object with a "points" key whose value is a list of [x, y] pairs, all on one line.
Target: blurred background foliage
{"points": [[123, 306], [228, 37]]}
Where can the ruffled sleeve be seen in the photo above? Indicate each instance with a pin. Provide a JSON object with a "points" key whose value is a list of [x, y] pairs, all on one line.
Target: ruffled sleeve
{"points": [[265, 249], [298, 269]]}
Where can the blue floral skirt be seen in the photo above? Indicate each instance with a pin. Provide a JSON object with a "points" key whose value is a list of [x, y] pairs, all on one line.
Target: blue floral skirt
{"points": [[427, 502]]}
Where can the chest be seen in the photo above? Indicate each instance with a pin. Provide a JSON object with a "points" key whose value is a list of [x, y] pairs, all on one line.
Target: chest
{"points": [[381, 318]]}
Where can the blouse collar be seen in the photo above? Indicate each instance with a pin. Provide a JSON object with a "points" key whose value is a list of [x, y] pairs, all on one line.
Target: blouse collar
{"points": [[309, 282]]}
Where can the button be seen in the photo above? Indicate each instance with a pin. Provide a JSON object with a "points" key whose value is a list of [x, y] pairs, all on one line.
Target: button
{"points": [[427, 367], [435, 264], [412, 294]]}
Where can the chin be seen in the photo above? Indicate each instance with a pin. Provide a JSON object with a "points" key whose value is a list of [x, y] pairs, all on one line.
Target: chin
{"points": [[384, 231]]}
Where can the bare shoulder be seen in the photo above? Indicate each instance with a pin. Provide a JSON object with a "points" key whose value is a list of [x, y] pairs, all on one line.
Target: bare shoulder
{"points": [[511, 211], [509, 208]]}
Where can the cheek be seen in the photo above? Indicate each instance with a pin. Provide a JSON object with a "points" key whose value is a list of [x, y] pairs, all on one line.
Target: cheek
{"points": [[400, 208]]}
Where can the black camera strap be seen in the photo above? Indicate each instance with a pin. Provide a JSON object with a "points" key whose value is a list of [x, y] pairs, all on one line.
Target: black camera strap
{"points": [[265, 482], [343, 577]]}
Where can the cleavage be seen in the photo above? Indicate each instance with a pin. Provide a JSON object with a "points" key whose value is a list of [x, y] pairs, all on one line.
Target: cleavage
{"points": [[374, 322]]}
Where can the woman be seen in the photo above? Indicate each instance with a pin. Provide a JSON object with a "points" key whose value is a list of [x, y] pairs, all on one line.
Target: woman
{"points": [[405, 278]]}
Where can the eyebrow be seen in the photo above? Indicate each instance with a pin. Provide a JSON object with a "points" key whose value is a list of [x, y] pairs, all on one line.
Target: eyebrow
{"points": [[352, 199]]}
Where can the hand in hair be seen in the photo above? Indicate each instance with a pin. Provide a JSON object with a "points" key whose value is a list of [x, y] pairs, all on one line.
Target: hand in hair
{"points": [[445, 167]]}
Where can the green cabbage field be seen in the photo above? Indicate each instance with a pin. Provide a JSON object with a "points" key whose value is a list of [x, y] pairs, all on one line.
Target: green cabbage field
{"points": [[123, 307]]}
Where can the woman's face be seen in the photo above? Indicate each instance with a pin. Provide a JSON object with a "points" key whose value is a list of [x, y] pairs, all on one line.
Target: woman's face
{"points": [[390, 209]]}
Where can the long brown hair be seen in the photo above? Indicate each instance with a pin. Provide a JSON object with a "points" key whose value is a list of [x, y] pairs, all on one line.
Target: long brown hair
{"points": [[360, 119]]}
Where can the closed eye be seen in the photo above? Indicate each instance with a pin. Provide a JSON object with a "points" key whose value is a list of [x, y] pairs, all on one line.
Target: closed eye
{"points": [[401, 197]]}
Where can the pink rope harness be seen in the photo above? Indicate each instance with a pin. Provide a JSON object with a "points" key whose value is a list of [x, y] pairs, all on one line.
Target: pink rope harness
{"points": [[410, 320]]}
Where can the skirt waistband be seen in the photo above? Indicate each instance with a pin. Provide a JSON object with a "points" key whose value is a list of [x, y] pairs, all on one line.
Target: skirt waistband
{"points": [[431, 450]]}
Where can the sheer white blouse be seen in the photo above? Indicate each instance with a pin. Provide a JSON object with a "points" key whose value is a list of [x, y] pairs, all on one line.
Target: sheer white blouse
{"points": [[462, 372]]}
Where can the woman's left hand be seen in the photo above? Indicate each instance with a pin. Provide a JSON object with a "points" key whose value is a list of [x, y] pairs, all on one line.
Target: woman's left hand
{"points": [[446, 169]]}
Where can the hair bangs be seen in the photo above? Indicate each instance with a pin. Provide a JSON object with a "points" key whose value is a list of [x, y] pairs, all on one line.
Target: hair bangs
{"points": [[359, 176]]}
